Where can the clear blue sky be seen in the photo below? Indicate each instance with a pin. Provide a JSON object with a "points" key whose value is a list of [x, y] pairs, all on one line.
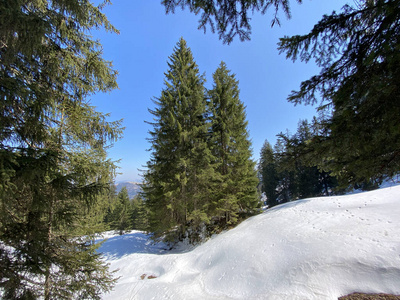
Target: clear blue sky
{"points": [[147, 38]]}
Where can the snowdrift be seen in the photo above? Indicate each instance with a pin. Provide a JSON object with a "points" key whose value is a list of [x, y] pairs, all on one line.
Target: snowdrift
{"points": [[319, 248]]}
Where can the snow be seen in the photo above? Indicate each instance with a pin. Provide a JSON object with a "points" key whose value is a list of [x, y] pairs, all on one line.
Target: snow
{"points": [[319, 248]]}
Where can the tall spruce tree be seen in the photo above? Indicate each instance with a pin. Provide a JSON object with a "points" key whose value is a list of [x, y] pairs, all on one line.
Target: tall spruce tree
{"points": [[53, 161], [121, 216], [177, 179], [231, 148], [286, 188], [267, 168], [111, 201], [139, 216]]}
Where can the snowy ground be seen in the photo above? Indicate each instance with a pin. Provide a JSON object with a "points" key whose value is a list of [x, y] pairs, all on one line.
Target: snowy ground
{"points": [[319, 248]]}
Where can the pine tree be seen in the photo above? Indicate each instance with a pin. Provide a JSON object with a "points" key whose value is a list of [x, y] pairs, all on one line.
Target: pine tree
{"points": [[121, 216], [229, 17], [53, 163], [178, 173], [297, 175], [286, 188], [357, 51], [111, 200], [139, 215], [230, 146], [269, 176], [92, 218]]}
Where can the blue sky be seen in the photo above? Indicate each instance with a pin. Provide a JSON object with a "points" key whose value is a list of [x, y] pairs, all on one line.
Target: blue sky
{"points": [[147, 38]]}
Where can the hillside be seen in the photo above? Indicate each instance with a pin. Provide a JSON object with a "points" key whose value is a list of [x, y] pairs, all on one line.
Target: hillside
{"points": [[132, 187], [320, 248]]}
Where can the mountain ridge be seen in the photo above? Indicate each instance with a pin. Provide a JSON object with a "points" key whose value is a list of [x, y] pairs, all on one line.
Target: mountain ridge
{"points": [[132, 187]]}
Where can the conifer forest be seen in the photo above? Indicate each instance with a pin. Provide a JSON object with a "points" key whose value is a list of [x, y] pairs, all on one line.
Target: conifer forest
{"points": [[57, 181]]}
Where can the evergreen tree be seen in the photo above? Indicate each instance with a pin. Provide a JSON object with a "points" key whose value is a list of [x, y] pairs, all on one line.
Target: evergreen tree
{"points": [[298, 176], [307, 176], [229, 17], [53, 163], [286, 188], [176, 186], [357, 50], [269, 175], [139, 215], [237, 193], [111, 196], [93, 217], [121, 216]]}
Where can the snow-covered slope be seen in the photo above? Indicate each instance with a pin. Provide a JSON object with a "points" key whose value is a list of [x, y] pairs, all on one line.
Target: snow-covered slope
{"points": [[319, 248]]}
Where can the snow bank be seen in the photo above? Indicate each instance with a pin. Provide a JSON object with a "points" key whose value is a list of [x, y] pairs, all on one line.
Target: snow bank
{"points": [[319, 248]]}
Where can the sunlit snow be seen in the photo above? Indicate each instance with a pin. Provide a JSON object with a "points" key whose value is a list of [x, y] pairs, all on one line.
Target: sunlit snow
{"points": [[319, 248]]}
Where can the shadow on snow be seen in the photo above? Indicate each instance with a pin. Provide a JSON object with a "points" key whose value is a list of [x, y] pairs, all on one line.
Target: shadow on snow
{"points": [[118, 246]]}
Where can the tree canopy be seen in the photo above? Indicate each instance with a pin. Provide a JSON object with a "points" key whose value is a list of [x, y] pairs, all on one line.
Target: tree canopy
{"points": [[357, 90], [53, 162], [175, 186], [230, 18], [200, 178], [231, 147]]}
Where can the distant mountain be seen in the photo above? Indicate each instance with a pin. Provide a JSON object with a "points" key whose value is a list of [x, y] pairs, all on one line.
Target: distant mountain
{"points": [[132, 187]]}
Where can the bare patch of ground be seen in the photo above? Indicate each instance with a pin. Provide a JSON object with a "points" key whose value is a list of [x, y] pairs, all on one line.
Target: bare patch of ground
{"points": [[361, 296]]}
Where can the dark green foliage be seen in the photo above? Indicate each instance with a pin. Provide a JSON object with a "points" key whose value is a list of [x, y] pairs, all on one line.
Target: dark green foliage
{"points": [[200, 178], [285, 164], [53, 164], [111, 200], [237, 193], [358, 51], [121, 215], [287, 171], [140, 213], [267, 169], [176, 182], [229, 17], [304, 179]]}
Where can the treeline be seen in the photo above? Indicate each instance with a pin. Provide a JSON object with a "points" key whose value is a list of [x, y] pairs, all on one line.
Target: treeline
{"points": [[286, 171], [292, 169], [120, 213]]}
